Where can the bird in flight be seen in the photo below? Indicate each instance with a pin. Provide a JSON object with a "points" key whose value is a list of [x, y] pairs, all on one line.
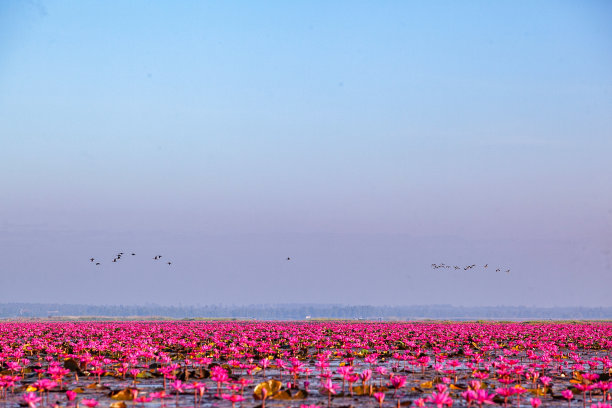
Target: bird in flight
{"points": [[91, 259], [169, 263], [133, 254], [288, 258], [97, 263]]}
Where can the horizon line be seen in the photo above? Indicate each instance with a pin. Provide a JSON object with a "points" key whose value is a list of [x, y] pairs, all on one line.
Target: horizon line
{"points": [[300, 304]]}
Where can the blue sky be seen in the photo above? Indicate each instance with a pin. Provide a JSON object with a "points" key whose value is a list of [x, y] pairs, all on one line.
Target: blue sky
{"points": [[366, 140]]}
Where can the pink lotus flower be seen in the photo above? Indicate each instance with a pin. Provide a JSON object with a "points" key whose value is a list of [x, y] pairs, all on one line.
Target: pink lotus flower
{"points": [[159, 395], [419, 402], [546, 380], [91, 403], [398, 381], [199, 388], [144, 398], [380, 397], [440, 399], [591, 377], [329, 386], [178, 386], [506, 393], [605, 387], [469, 396], [45, 384], [32, 399], [365, 375], [567, 394], [71, 395], [441, 387], [234, 398], [483, 398]]}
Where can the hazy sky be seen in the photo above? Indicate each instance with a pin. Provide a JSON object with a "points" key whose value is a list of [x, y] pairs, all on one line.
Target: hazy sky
{"points": [[365, 140]]}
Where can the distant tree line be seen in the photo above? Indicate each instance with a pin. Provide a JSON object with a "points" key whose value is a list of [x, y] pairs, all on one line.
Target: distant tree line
{"points": [[306, 311]]}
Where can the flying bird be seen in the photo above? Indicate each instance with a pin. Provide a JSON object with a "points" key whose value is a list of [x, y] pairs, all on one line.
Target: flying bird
{"points": [[97, 263], [91, 259]]}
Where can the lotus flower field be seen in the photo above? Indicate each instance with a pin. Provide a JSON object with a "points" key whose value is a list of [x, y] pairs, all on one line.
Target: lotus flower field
{"points": [[303, 364]]}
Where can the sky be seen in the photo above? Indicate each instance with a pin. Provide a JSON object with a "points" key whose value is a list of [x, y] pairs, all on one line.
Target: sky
{"points": [[365, 140]]}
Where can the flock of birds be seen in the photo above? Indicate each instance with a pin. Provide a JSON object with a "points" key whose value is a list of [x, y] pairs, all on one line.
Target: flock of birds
{"points": [[433, 265], [120, 254], [465, 268]]}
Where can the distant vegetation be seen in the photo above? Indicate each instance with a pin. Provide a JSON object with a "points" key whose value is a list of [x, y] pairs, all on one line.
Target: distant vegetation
{"points": [[307, 311]]}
